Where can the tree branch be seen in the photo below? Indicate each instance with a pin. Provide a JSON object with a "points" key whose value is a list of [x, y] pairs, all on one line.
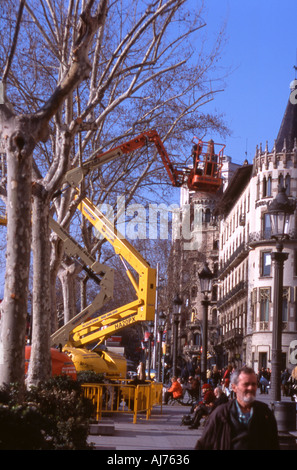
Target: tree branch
{"points": [[80, 66]]}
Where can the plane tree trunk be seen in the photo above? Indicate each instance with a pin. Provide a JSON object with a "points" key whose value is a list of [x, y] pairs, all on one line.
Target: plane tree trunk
{"points": [[40, 349], [20, 135], [14, 306]]}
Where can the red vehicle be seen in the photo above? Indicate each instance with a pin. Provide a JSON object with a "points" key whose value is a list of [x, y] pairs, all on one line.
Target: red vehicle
{"points": [[61, 363]]}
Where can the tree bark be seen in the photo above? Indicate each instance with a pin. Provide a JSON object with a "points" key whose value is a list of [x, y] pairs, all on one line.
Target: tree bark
{"points": [[14, 306], [68, 275], [40, 349]]}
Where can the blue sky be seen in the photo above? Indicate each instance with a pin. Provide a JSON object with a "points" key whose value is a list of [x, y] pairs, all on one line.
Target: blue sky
{"points": [[261, 50]]}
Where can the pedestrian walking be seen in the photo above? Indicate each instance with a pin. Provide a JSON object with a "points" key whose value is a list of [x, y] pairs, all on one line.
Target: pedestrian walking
{"points": [[141, 371], [284, 382], [216, 377], [242, 423], [293, 384], [226, 377], [263, 378]]}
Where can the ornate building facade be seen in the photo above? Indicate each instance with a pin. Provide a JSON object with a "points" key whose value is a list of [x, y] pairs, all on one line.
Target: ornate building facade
{"points": [[232, 230], [190, 252]]}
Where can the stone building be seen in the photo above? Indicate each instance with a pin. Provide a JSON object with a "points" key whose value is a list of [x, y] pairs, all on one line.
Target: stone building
{"points": [[194, 247], [246, 272], [234, 211], [232, 233]]}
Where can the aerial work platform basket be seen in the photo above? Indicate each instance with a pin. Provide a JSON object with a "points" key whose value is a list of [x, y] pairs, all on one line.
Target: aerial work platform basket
{"points": [[205, 175]]}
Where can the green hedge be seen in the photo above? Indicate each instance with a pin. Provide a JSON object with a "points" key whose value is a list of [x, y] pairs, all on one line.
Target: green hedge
{"points": [[53, 416]]}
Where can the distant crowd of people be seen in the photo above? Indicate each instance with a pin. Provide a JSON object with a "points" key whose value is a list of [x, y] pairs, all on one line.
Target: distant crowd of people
{"points": [[221, 377]]}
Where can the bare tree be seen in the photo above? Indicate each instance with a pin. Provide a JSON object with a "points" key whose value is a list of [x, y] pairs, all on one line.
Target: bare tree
{"points": [[21, 133], [158, 90], [117, 75]]}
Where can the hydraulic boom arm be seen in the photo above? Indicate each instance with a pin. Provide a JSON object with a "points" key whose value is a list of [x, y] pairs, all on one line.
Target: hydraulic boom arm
{"points": [[76, 175], [142, 309], [103, 275]]}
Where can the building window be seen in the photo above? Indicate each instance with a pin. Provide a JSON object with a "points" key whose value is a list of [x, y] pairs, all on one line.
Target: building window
{"points": [[264, 187], [269, 186], [264, 304], [195, 270], [207, 216], [214, 293], [196, 339], [254, 305], [214, 316], [288, 185], [265, 263], [266, 226]]}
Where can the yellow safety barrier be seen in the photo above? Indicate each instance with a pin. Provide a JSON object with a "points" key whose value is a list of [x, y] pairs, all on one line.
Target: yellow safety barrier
{"points": [[124, 397], [156, 394]]}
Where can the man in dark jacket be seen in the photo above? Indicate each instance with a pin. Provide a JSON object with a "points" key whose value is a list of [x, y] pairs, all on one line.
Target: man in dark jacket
{"points": [[242, 423], [221, 397]]}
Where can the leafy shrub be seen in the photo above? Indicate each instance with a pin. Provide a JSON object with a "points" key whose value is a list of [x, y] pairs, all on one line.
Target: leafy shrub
{"points": [[54, 415], [21, 427], [90, 377]]}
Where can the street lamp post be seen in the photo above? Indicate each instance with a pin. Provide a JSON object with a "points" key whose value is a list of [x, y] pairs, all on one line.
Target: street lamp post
{"points": [[162, 320], [205, 277], [151, 337], [177, 303], [280, 211]]}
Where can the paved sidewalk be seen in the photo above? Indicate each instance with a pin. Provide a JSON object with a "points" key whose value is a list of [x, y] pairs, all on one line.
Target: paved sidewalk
{"points": [[163, 431]]}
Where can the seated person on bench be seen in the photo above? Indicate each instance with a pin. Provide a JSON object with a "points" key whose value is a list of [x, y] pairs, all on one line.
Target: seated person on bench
{"points": [[175, 391], [205, 407]]}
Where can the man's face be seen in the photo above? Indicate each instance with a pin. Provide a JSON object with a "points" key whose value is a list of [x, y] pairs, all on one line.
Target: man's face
{"points": [[246, 389]]}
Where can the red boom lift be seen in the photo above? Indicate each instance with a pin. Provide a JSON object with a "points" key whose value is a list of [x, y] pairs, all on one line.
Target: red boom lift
{"points": [[204, 176]]}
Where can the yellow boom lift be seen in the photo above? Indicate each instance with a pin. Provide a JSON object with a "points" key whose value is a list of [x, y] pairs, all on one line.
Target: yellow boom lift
{"points": [[82, 340]]}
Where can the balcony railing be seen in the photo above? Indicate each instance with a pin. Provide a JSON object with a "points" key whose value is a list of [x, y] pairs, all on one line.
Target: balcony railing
{"points": [[241, 287], [265, 235], [234, 334], [235, 258]]}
